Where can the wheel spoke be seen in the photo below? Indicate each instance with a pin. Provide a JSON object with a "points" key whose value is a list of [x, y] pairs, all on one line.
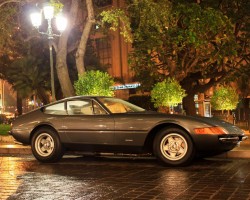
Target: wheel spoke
{"points": [[43, 141], [173, 154], [166, 148], [182, 150], [171, 139], [43, 149]]}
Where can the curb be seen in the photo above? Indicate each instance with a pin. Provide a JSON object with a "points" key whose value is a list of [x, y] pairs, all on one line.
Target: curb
{"points": [[13, 149], [8, 146]]}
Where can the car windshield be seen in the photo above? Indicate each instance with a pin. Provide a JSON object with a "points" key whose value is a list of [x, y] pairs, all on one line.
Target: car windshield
{"points": [[119, 106]]}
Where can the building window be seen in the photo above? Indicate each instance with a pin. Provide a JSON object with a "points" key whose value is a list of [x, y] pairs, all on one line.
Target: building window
{"points": [[102, 3], [103, 48]]}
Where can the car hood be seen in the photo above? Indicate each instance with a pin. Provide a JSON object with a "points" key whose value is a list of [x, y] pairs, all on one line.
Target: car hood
{"points": [[212, 121], [200, 121]]}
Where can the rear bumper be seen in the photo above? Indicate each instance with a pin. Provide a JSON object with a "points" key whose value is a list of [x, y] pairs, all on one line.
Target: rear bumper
{"points": [[20, 137]]}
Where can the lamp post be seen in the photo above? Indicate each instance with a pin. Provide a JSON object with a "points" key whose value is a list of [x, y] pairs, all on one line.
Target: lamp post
{"points": [[61, 23]]}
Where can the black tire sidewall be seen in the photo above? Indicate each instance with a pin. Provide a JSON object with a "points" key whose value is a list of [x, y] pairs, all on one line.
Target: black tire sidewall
{"points": [[157, 151], [57, 152]]}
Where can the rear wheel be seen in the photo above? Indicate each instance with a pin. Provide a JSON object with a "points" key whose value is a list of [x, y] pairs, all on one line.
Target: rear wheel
{"points": [[173, 146], [46, 146]]}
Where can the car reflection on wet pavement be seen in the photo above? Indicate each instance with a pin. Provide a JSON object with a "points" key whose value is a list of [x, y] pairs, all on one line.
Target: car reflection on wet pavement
{"points": [[123, 178]]}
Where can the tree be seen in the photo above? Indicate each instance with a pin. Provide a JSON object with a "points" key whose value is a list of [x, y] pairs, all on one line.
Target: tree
{"points": [[224, 98], [238, 12], [94, 83], [29, 80], [73, 9], [167, 93], [185, 41], [194, 44], [81, 50]]}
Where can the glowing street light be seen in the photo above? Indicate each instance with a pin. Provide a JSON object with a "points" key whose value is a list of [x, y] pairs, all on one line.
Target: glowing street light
{"points": [[61, 23]]}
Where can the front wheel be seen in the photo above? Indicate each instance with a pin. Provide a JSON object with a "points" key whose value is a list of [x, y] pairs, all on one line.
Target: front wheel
{"points": [[174, 147], [46, 146]]}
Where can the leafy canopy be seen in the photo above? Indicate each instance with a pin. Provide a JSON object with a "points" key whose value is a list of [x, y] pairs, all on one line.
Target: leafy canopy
{"points": [[225, 98], [180, 41], [94, 83], [167, 93], [27, 76], [117, 18]]}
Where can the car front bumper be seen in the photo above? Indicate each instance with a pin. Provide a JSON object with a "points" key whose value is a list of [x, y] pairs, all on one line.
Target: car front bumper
{"points": [[216, 144]]}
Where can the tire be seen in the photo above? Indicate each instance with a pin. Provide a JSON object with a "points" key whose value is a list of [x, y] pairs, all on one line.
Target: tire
{"points": [[46, 146], [174, 147]]}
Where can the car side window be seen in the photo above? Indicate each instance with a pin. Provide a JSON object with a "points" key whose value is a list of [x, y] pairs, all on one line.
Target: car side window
{"points": [[98, 110], [79, 107], [56, 109]]}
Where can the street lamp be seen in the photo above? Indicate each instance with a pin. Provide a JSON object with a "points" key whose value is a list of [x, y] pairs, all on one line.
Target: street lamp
{"points": [[61, 23]]}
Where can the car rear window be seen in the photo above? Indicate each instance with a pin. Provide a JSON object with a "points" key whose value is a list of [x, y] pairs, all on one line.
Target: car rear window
{"points": [[56, 109]]}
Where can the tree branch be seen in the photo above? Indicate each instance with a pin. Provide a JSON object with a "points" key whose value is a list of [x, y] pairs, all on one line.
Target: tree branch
{"points": [[13, 1]]}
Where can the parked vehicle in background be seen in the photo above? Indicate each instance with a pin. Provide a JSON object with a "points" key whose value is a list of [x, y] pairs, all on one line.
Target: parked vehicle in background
{"points": [[106, 124], [6, 117]]}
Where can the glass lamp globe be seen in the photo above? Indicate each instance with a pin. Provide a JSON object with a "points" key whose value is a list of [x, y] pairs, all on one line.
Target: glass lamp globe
{"points": [[61, 22], [48, 11], [36, 19]]}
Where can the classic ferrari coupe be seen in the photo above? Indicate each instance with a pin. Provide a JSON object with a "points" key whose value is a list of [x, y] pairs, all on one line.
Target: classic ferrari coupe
{"points": [[110, 125]]}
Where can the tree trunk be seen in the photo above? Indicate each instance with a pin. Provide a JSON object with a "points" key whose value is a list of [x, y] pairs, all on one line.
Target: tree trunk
{"points": [[189, 104], [61, 64], [85, 35], [42, 95], [19, 104], [63, 74]]}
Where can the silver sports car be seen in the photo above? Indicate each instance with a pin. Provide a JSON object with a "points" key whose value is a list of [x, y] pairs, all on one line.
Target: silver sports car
{"points": [[112, 125]]}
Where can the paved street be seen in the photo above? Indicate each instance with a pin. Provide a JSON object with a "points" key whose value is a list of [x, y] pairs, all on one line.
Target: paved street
{"points": [[127, 178]]}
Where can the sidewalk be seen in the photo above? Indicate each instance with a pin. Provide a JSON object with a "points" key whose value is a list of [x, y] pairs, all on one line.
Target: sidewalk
{"points": [[8, 146]]}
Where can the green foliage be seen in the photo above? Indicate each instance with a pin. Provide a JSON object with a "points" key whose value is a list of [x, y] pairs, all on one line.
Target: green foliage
{"points": [[27, 76], [58, 6], [7, 22], [4, 129], [94, 83], [180, 40], [167, 93], [224, 98], [117, 18]]}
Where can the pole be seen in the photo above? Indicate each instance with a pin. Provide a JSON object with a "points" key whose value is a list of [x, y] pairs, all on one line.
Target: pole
{"points": [[249, 122], [52, 81], [52, 72], [3, 97]]}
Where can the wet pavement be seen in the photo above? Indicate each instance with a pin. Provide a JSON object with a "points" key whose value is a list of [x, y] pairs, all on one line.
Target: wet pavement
{"points": [[123, 178]]}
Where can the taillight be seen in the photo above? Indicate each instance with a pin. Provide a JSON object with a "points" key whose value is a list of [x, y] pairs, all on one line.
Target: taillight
{"points": [[210, 130]]}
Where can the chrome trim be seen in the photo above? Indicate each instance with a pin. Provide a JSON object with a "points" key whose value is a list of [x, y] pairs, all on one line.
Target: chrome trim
{"points": [[230, 139], [233, 139], [244, 138]]}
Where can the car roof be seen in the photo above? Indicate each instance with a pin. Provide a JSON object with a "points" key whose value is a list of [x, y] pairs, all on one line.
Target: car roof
{"points": [[76, 97]]}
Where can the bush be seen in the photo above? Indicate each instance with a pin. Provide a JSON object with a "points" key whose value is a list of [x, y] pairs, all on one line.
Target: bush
{"points": [[167, 93], [4, 129], [224, 98], [94, 83]]}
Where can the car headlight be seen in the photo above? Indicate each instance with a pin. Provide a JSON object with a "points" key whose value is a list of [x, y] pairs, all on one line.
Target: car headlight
{"points": [[215, 130]]}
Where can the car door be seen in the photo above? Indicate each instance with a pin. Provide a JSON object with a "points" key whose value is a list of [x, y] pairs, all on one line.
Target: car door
{"points": [[131, 129], [88, 123]]}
